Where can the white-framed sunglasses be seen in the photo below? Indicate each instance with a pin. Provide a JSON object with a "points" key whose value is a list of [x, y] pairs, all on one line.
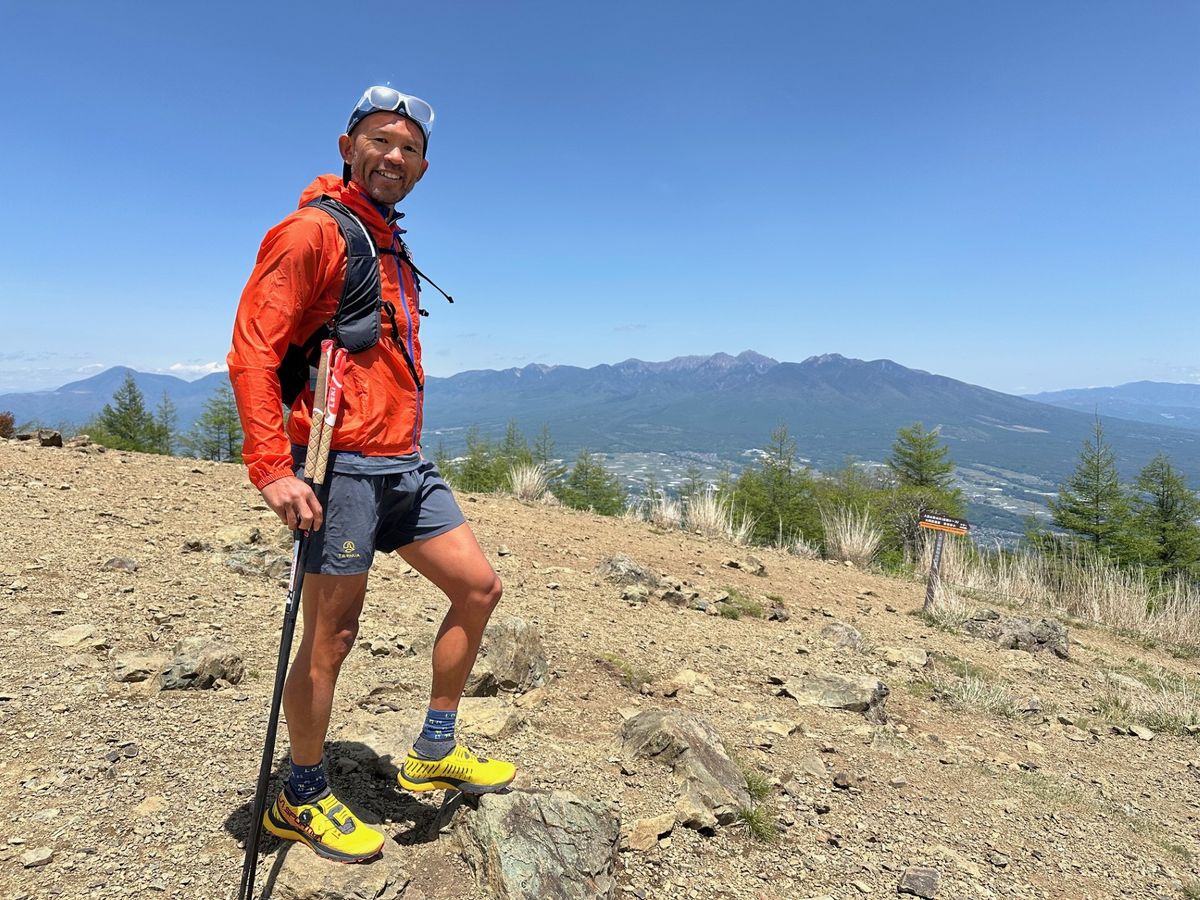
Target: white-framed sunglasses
{"points": [[381, 98]]}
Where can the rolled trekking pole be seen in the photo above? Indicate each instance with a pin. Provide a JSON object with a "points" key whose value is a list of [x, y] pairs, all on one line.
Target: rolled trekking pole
{"points": [[328, 395]]}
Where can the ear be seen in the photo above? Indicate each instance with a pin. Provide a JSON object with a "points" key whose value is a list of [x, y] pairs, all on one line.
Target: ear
{"points": [[424, 168], [346, 148]]}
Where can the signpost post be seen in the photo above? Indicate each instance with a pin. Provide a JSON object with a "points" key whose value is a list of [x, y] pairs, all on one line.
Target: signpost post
{"points": [[941, 525]]}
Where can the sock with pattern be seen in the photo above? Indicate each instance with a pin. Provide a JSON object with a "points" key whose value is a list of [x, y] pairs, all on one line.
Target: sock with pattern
{"points": [[437, 736], [306, 782]]}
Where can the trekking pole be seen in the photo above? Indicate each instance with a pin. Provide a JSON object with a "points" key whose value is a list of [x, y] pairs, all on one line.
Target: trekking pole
{"points": [[329, 395]]}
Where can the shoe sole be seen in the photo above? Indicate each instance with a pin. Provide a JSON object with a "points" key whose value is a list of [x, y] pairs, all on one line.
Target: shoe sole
{"points": [[281, 829], [451, 784]]}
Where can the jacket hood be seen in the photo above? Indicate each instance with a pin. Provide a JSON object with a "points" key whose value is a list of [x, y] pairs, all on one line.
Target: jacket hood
{"points": [[352, 196]]}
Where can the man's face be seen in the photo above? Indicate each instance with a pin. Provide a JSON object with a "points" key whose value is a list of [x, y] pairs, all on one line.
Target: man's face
{"points": [[385, 155]]}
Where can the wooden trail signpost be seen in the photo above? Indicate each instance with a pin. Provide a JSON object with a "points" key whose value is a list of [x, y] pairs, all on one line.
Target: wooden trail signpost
{"points": [[941, 525]]}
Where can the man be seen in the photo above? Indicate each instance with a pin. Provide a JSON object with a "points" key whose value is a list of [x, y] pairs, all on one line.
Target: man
{"points": [[382, 495]]}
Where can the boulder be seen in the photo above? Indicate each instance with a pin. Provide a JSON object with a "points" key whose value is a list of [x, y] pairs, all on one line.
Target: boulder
{"points": [[533, 845], [1020, 633], [305, 876], [77, 636], [482, 680], [515, 655], [199, 662], [839, 635], [913, 657], [490, 717], [645, 833], [48, 437], [261, 561], [623, 570], [855, 693], [692, 748]]}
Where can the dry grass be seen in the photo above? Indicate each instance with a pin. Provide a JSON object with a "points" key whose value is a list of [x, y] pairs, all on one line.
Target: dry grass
{"points": [[528, 483], [1171, 706], [850, 535], [665, 512], [709, 515], [1083, 587], [974, 693]]}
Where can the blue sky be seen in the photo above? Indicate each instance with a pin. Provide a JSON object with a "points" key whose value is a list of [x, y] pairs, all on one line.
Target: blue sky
{"points": [[1005, 193]]}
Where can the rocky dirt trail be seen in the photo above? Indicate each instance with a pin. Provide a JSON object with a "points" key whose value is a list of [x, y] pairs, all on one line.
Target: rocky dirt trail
{"points": [[117, 788]]}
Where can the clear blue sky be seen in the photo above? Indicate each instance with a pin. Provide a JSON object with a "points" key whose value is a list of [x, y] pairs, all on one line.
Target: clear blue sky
{"points": [[1005, 193]]}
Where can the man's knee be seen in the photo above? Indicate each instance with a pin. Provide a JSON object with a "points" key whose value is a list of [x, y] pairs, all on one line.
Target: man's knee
{"points": [[482, 598], [331, 650]]}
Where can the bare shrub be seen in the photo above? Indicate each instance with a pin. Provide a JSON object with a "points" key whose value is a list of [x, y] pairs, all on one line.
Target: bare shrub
{"points": [[7, 424], [528, 482], [801, 547], [850, 534]]}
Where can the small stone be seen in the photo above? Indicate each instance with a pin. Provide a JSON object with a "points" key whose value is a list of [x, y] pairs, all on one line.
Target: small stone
{"points": [[841, 781], [920, 882], [999, 860], [1141, 732], [38, 856], [898, 782], [503, 550], [645, 833], [811, 764], [120, 564]]}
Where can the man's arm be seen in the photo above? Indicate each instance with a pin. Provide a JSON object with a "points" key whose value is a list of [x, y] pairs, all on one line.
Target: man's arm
{"points": [[289, 274]]}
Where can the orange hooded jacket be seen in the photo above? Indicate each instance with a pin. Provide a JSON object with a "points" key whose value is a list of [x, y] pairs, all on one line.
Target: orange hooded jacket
{"points": [[293, 290]]}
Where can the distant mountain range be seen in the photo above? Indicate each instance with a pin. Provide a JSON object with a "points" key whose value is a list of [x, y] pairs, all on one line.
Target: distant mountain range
{"points": [[1143, 401], [1011, 451]]}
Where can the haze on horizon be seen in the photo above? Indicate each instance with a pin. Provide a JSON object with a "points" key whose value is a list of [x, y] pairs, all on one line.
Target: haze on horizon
{"points": [[1004, 195]]}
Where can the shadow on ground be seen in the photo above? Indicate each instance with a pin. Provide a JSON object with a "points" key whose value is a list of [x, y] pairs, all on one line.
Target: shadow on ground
{"points": [[369, 788]]}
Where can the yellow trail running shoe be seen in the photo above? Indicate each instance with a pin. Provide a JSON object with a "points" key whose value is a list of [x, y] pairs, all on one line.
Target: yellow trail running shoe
{"points": [[325, 825], [458, 770]]}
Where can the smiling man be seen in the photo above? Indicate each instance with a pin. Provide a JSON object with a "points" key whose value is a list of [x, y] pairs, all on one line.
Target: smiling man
{"points": [[383, 495]]}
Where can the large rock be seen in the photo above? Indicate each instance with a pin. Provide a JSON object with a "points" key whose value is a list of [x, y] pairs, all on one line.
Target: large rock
{"points": [[199, 661], [305, 876], [490, 717], [1020, 633], [82, 635], [261, 561], [623, 570], [530, 845], [714, 789], [840, 635], [515, 655], [856, 693]]}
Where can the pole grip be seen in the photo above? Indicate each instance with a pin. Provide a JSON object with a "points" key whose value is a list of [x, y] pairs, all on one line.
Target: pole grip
{"points": [[317, 427], [333, 403]]}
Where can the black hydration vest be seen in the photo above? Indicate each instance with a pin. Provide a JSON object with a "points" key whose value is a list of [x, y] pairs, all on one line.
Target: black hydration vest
{"points": [[356, 323]]}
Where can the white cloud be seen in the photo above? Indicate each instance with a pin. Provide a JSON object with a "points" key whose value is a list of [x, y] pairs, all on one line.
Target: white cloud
{"points": [[91, 367], [195, 370]]}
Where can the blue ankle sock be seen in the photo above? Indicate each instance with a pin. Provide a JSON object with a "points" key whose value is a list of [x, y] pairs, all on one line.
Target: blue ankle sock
{"points": [[439, 725], [437, 737], [306, 782]]}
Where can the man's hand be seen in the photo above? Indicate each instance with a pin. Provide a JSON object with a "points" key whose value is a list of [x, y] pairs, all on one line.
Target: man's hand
{"points": [[295, 503]]}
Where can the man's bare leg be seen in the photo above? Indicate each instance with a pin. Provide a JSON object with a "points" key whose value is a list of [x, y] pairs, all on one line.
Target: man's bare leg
{"points": [[455, 564], [331, 605]]}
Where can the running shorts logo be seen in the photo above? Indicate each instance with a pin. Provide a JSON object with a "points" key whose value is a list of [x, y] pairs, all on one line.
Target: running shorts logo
{"points": [[349, 551]]}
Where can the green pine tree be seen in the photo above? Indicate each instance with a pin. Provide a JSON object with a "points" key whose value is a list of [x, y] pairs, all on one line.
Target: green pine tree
{"points": [[591, 486], [125, 424], [1093, 504], [543, 455], [165, 421], [1165, 514], [918, 460], [777, 494], [924, 475], [217, 434]]}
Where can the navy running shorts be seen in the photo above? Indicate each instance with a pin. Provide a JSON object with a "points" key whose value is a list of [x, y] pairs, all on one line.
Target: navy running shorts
{"points": [[365, 513]]}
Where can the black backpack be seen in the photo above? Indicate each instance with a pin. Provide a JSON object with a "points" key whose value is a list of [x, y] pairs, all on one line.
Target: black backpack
{"points": [[355, 325]]}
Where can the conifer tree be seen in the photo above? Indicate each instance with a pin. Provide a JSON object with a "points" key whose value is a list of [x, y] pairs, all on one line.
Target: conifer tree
{"points": [[591, 486], [125, 424], [165, 420], [924, 475], [1165, 514], [217, 434], [917, 460], [1093, 504]]}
